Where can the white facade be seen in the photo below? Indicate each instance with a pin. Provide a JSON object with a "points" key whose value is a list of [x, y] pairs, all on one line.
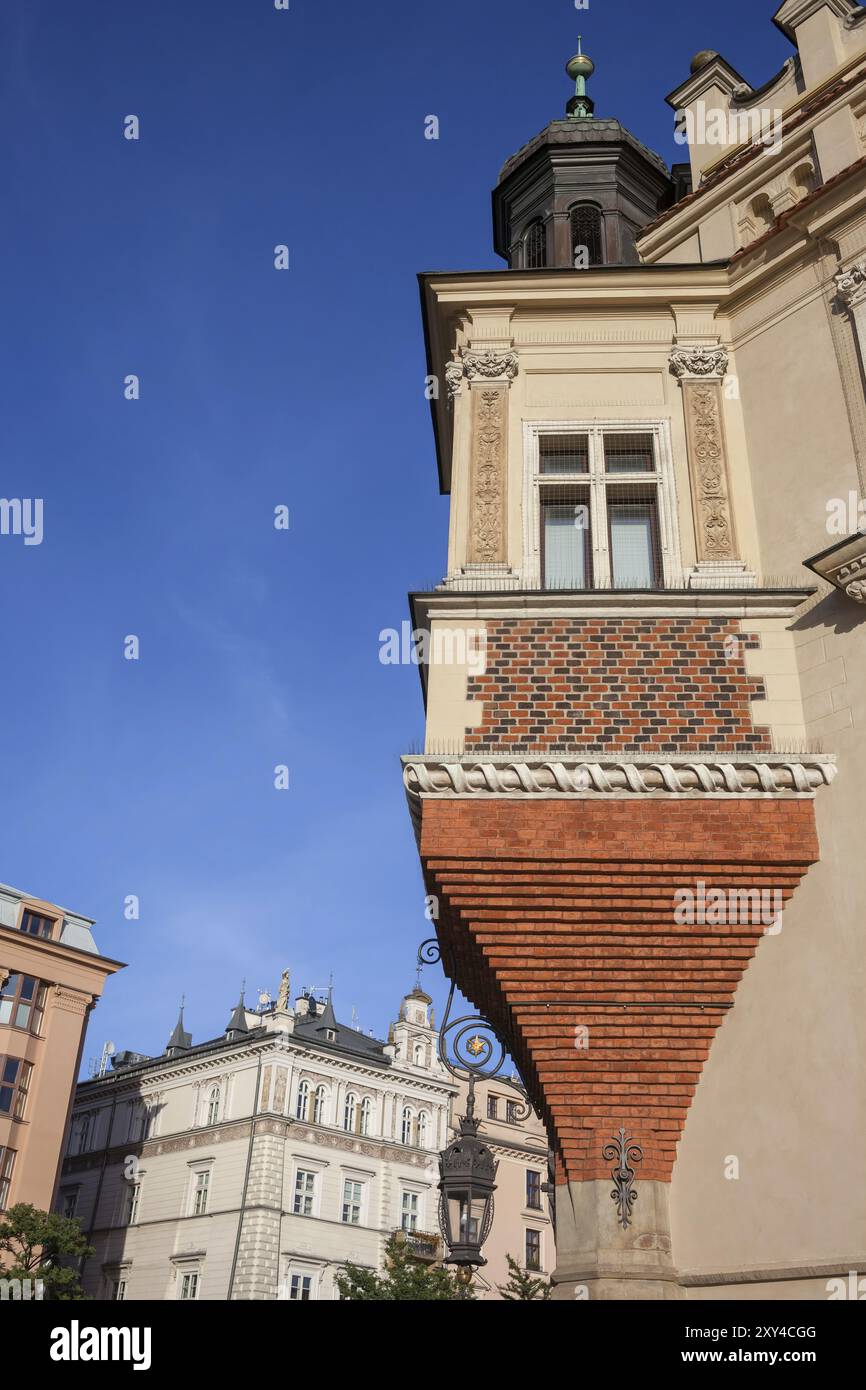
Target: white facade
{"points": [[256, 1165]]}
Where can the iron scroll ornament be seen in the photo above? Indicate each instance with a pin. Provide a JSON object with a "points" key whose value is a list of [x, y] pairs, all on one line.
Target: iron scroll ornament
{"points": [[469, 1048], [623, 1152]]}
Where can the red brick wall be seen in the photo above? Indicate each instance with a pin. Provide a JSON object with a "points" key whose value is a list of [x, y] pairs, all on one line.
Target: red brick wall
{"points": [[661, 683], [560, 913]]}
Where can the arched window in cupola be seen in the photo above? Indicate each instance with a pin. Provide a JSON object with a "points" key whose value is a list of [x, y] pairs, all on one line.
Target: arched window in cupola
{"points": [[535, 246], [586, 237]]}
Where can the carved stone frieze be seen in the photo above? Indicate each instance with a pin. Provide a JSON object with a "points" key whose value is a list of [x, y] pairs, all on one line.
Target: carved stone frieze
{"points": [[708, 470], [490, 365], [71, 1001], [487, 534], [698, 361]]}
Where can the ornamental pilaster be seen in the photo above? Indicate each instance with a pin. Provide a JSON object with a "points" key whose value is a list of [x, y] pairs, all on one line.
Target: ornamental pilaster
{"points": [[700, 370]]}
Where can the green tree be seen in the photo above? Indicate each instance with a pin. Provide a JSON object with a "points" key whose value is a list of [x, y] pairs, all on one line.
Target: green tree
{"points": [[406, 1279], [523, 1287], [36, 1240]]}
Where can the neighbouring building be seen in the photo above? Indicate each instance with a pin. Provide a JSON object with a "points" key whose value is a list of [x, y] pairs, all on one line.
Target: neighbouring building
{"points": [[254, 1165], [51, 976], [637, 805]]}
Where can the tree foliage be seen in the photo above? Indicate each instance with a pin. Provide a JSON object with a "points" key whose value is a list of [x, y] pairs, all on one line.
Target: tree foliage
{"points": [[523, 1287], [37, 1240], [406, 1279]]}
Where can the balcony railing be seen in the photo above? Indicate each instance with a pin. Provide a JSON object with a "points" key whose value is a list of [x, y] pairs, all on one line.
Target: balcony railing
{"points": [[422, 1245]]}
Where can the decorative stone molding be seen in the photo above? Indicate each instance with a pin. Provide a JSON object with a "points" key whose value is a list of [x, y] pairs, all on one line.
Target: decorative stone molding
{"points": [[851, 284], [698, 361], [490, 365], [487, 521], [844, 566], [70, 1001], [567, 777]]}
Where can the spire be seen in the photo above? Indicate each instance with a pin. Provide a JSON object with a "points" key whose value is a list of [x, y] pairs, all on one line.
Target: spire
{"points": [[180, 1040], [580, 68], [328, 1017], [238, 1021]]}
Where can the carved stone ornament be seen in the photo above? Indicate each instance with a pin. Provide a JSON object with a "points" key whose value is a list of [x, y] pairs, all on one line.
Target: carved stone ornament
{"points": [[844, 566], [699, 361], [851, 284], [454, 379], [490, 365], [488, 491], [709, 471]]}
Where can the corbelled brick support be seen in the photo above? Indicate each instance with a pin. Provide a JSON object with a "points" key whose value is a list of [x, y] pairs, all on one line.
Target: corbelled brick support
{"points": [[560, 918]]}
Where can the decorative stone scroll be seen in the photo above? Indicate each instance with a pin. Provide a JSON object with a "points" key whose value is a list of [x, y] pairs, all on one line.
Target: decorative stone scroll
{"points": [[700, 370], [771, 775]]}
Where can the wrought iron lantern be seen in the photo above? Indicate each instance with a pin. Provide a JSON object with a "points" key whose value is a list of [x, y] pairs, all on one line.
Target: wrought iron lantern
{"points": [[469, 1050], [467, 1172]]}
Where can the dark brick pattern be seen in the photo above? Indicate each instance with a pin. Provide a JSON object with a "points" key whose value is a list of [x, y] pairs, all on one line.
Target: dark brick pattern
{"points": [[665, 684]]}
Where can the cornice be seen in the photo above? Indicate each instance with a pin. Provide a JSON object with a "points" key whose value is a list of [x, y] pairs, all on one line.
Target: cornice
{"points": [[452, 603], [593, 775], [844, 566]]}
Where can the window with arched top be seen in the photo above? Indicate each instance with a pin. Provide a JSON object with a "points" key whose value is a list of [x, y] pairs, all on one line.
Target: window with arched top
{"points": [[406, 1126], [535, 246], [423, 1129], [366, 1115], [586, 237], [320, 1101], [302, 1104], [213, 1106], [349, 1112]]}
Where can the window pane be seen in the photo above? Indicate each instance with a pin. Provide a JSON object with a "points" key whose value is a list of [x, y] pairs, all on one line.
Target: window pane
{"points": [[22, 1016], [5, 1010], [586, 236], [632, 534], [536, 247], [563, 453], [629, 453], [565, 543]]}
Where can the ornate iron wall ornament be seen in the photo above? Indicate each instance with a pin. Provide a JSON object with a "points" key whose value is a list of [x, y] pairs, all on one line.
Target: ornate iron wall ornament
{"points": [[468, 1046], [623, 1152]]}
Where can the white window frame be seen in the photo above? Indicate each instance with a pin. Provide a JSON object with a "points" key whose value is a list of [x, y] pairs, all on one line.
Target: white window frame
{"points": [[356, 1203], [365, 1116], [197, 1171], [410, 1192], [299, 1270], [182, 1276], [321, 1102], [314, 1196], [215, 1091], [663, 479], [133, 1214]]}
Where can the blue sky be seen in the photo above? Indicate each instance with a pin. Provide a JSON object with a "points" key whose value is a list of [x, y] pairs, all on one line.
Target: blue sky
{"points": [[258, 388]]}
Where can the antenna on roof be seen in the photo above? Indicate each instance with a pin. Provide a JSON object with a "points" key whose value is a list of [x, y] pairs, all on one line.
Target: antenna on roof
{"points": [[100, 1067]]}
